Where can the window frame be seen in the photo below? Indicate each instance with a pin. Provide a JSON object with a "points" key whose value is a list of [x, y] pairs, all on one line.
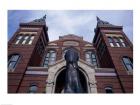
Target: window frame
{"points": [[123, 44], [16, 62], [48, 58], [110, 41], [116, 40], [33, 91], [19, 39], [30, 41], [108, 88], [91, 60], [26, 39], [126, 64]]}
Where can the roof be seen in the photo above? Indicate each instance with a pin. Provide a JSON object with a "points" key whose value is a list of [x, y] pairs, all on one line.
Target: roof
{"points": [[104, 24], [71, 36], [37, 22], [41, 22], [101, 23]]}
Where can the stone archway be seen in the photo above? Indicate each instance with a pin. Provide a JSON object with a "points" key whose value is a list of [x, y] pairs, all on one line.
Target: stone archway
{"points": [[55, 70], [60, 81]]}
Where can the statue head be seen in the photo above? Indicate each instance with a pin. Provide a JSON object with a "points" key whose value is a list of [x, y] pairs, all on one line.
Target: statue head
{"points": [[71, 56]]}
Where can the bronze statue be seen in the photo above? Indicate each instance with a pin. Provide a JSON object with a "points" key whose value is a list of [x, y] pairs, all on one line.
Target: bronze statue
{"points": [[72, 81]]}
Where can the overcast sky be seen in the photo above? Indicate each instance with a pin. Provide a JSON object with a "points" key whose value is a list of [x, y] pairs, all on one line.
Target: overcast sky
{"points": [[78, 22]]}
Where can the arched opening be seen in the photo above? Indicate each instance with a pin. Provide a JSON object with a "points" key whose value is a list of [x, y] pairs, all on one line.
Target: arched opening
{"points": [[60, 82]]}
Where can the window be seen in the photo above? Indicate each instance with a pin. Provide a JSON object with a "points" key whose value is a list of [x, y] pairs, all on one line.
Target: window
{"points": [[108, 89], [110, 40], [122, 42], [50, 58], [31, 40], [24, 39], [46, 60], [128, 63], [33, 88], [91, 58], [18, 39], [117, 42], [13, 60]]}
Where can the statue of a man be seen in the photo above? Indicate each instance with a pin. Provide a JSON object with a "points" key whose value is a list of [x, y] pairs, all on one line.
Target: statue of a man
{"points": [[72, 81]]}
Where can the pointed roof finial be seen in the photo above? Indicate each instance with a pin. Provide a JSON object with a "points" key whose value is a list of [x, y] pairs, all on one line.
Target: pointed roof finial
{"points": [[101, 22], [40, 20], [98, 19], [44, 17]]}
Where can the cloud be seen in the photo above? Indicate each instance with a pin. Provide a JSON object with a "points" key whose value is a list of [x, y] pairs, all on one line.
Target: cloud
{"points": [[79, 22], [73, 22]]}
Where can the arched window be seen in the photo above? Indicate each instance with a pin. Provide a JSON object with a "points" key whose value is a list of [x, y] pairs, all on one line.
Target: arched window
{"points": [[50, 58], [33, 88], [91, 58], [18, 40], [108, 89], [117, 42], [25, 39], [122, 42], [128, 62], [110, 40], [31, 39], [13, 60]]}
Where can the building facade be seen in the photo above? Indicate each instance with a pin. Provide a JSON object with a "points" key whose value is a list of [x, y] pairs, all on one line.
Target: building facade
{"points": [[37, 65]]}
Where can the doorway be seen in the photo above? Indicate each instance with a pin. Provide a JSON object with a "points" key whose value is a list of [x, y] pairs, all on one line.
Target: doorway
{"points": [[60, 82]]}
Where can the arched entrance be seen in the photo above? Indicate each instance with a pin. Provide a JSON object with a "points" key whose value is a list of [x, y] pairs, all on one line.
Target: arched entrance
{"points": [[60, 82], [56, 76]]}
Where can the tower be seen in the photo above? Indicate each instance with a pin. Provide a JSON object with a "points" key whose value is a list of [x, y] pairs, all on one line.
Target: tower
{"points": [[115, 51], [25, 48]]}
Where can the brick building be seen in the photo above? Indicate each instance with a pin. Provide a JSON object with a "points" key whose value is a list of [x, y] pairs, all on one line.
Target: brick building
{"points": [[37, 65]]}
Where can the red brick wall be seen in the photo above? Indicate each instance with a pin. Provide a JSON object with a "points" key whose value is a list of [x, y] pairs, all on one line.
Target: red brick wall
{"points": [[27, 53], [103, 81], [79, 48], [116, 54], [28, 80], [20, 82]]}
